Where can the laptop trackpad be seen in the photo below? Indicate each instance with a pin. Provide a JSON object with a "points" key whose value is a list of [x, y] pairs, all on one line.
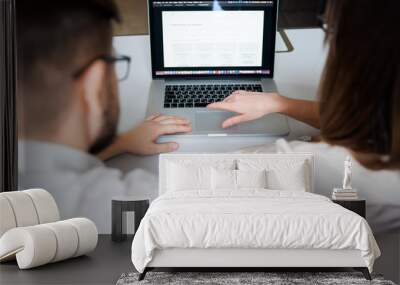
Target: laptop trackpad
{"points": [[211, 121]]}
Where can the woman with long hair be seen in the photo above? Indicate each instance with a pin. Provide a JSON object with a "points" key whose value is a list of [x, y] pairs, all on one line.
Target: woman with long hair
{"points": [[357, 107]]}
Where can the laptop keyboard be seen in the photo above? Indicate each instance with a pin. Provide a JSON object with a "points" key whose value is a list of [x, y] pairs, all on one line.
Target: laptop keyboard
{"points": [[199, 96]]}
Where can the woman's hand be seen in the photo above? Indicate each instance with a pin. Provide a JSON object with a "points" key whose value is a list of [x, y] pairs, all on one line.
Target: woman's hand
{"points": [[249, 105]]}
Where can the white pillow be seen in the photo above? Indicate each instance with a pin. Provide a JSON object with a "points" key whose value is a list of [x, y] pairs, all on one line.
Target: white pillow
{"points": [[292, 179], [226, 179], [251, 178], [188, 177], [282, 174], [223, 179]]}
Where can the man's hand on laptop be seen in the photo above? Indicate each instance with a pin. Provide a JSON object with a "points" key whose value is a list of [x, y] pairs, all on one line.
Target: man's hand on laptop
{"points": [[249, 106], [142, 140]]}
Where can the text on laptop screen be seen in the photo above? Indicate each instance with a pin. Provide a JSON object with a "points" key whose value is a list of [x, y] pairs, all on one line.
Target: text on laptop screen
{"points": [[212, 38]]}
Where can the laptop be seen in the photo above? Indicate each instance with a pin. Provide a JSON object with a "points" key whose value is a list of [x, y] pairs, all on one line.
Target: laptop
{"points": [[202, 51]]}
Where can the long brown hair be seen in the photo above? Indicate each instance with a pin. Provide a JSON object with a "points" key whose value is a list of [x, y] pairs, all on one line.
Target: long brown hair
{"points": [[360, 88]]}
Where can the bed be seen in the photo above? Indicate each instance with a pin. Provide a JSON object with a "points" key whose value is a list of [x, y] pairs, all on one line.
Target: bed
{"points": [[247, 211]]}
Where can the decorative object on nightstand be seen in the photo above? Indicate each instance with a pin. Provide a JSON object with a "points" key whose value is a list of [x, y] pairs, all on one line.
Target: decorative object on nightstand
{"points": [[357, 206], [127, 212], [346, 192]]}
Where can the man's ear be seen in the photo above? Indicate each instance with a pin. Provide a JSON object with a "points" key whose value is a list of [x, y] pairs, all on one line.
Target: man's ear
{"points": [[91, 92]]}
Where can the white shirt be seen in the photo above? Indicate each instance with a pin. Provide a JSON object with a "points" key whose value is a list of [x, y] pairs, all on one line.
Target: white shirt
{"points": [[380, 189], [80, 183]]}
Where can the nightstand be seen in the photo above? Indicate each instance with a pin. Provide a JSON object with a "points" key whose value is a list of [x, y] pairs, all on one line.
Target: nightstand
{"points": [[120, 205], [357, 206]]}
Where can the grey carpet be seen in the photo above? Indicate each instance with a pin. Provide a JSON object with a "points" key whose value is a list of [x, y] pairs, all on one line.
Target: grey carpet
{"points": [[267, 278]]}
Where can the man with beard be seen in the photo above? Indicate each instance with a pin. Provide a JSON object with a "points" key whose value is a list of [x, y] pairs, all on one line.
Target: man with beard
{"points": [[68, 108]]}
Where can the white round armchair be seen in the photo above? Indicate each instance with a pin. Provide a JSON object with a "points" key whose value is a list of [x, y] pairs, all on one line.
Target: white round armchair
{"points": [[31, 231]]}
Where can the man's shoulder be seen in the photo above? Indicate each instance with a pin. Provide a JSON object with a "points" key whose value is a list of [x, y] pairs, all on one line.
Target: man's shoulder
{"points": [[48, 155]]}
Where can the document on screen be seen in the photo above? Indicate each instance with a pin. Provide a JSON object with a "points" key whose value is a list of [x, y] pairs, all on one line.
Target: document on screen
{"points": [[212, 38]]}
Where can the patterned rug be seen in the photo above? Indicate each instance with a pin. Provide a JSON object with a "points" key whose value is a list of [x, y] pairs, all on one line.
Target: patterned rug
{"points": [[253, 278]]}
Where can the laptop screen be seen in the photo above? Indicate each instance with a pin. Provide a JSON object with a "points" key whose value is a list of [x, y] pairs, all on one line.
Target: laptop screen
{"points": [[212, 38]]}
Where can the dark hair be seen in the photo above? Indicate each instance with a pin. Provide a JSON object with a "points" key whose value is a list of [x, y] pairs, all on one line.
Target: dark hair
{"points": [[360, 88], [55, 38]]}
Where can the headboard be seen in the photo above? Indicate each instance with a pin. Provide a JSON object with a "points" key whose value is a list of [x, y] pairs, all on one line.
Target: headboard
{"points": [[216, 158]]}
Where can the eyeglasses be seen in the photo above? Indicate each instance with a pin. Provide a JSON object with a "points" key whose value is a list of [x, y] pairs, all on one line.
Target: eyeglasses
{"points": [[122, 64]]}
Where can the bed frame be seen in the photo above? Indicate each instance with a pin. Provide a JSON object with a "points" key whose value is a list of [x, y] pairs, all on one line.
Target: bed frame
{"points": [[242, 260]]}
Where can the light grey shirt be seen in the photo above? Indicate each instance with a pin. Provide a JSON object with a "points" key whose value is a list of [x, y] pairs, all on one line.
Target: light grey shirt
{"points": [[80, 183], [83, 186]]}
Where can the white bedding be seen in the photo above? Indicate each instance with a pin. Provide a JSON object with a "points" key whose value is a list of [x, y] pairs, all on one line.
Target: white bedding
{"points": [[250, 218]]}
